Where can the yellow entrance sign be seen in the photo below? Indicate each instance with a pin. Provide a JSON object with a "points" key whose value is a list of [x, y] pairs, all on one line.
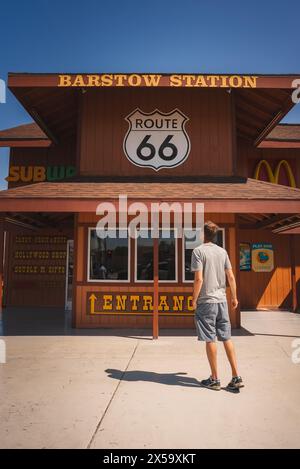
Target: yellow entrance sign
{"points": [[138, 303]]}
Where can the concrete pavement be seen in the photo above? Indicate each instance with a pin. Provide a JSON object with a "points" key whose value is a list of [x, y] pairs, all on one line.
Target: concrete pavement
{"points": [[95, 390]]}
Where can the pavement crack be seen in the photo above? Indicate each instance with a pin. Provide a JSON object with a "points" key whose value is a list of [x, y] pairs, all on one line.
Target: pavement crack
{"points": [[112, 398]]}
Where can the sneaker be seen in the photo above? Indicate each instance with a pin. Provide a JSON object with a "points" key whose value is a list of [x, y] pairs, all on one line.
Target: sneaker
{"points": [[236, 383], [211, 383]]}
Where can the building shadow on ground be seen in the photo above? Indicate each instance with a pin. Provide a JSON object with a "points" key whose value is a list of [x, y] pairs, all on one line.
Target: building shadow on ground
{"points": [[55, 322]]}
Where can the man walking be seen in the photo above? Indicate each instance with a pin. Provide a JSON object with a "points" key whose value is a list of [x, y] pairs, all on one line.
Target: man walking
{"points": [[211, 265]]}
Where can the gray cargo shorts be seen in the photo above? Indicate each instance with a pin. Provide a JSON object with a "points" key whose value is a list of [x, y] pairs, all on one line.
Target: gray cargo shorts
{"points": [[212, 320]]}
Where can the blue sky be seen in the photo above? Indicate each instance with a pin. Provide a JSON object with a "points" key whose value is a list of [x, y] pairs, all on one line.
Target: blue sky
{"points": [[158, 36]]}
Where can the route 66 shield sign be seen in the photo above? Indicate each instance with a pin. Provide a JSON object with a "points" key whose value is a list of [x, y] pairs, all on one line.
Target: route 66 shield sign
{"points": [[157, 140]]}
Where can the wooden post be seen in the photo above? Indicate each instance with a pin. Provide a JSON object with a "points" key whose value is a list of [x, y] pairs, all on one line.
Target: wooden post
{"points": [[293, 274], [235, 314], [155, 287], [75, 260], [1, 260]]}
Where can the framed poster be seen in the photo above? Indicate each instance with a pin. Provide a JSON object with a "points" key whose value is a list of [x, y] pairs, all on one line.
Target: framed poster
{"points": [[245, 256], [262, 257]]}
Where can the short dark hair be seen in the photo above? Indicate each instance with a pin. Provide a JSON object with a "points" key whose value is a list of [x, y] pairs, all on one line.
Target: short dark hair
{"points": [[210, 230]]}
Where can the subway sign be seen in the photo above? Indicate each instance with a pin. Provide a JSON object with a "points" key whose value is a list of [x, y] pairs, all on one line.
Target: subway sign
{"points": [[31, 174]]}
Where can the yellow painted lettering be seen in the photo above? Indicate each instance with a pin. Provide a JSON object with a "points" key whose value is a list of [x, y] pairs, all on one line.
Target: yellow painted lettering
{"points": [[39, 174], [134, 80], [188, 79], [26, 173], [249, 82], [121, 302], [151, 80], [148, 303], [107, 80], [78, 81], [13, 175], [214, 80], [175, 80], [64, 80], [163, 304], [107, 302], [224, 81], [134, 302], [235, 81], [190, 303], [200, 81], [93, 80], [119, 79], [178, 303]]}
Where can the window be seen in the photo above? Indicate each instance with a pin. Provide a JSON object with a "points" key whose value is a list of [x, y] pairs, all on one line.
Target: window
{"points": [[108, 258], [167, 257], [188, 275]]}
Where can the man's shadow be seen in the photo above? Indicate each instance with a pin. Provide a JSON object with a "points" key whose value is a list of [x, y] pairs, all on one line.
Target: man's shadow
{"points": [[171, 379]]}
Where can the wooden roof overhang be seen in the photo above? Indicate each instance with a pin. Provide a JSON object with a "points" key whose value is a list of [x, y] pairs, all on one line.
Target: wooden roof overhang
{"points": [[55, 109], [249, 197], [283, 136], [27, 135]]}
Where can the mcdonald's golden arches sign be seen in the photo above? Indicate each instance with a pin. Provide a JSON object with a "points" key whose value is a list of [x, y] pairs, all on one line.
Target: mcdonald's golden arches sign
{"points": [[274, 175]]}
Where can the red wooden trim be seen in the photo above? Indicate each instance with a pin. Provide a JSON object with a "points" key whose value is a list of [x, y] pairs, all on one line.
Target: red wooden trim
{"points": [[293, 274], [235, 314], [279, 144], [292, 231], [25, 143], [74, 286], [155, 288], [51, 80], [1, 260]]}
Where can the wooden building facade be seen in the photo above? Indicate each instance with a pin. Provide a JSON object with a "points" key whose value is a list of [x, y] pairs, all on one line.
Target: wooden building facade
{"points": [[211, 140]]}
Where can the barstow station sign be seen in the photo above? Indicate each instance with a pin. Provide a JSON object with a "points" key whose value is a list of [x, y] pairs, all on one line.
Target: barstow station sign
{"points": [[154, 80], [151, 80]]}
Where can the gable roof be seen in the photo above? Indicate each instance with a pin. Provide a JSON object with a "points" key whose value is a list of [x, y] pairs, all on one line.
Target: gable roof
{"points": [[55, 106]]}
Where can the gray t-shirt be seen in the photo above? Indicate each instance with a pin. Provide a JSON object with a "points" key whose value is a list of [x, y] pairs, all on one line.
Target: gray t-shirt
{"points": [[212, 260]]}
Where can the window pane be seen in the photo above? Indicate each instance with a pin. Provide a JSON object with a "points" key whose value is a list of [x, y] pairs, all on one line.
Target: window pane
{"points": [[188, 274], [167, 258], [108, 257], [167, 264], [144, 258]]}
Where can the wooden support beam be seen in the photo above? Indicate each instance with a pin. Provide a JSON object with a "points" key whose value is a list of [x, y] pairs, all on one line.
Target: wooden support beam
{"points": [[1, 260], [267, 222], [75, 302], [155, 287], [293, 273], [235, 314]]}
